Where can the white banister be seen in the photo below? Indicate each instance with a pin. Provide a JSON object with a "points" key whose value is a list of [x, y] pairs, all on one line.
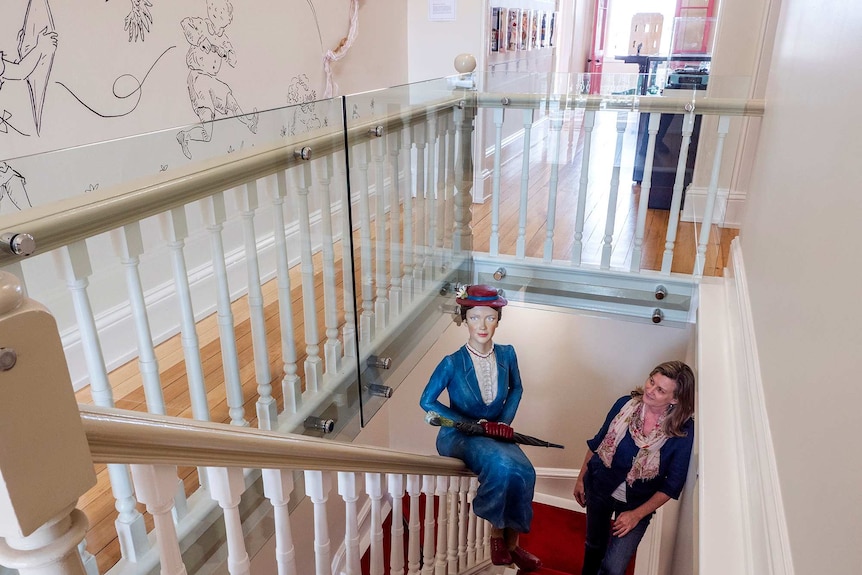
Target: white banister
{"points": [[414, 490], [712, 192], [277, 486], [248, 201], [448, 221], [473, 535], [419, 135], [409, 247], [499, 117], [462, 236], [463, 520], [453, 517], [608, 238], [332, 351], [587, 127], [646, 184], [215, 216], [676, 200], [312, 364], [381, 299], [521, 243], [429, 484], [393, 143], [130, 245], [175, 229], [129, 523], [226, 485], [317, 487], [441, 491], [395, 487], [348, 330], [431, 198], [366, 265], [155, 487], [553, 182], [441, 195], [291, 385], [374, 490], [347, 490]]}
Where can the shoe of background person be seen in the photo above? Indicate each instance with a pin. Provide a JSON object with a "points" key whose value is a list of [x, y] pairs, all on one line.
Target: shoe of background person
{"points": [[499, 553], [525, 560]]}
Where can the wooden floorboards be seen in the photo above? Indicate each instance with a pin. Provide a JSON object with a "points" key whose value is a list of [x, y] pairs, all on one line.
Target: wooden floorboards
{"points": [[98, 504]]}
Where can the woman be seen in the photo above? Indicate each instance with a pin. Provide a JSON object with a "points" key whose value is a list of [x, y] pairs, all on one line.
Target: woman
{"points": [[484, 386], [636, 463]]}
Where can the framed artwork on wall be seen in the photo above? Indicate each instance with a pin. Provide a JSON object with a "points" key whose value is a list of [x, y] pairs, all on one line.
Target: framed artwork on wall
{"points": [[513, 29]]}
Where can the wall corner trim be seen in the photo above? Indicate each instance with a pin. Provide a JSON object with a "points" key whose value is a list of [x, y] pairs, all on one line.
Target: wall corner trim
{"points": [[742, 525]]}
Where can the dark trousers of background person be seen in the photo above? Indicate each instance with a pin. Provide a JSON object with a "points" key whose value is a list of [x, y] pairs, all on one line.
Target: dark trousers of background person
{"points": [[605, 554]]}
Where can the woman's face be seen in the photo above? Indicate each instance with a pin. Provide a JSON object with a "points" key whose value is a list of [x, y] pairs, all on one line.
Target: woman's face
{"points": [[658, 392], [481, 323]]}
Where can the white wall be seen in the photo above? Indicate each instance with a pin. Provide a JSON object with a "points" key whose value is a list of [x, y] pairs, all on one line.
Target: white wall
{"points": [[799, 239], [432, 45]]}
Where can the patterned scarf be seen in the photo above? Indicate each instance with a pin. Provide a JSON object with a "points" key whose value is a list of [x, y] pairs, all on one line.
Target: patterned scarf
{"points": [[646, 463]]}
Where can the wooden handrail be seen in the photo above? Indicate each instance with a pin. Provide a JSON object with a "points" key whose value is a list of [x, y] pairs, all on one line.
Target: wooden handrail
{"points": [[122, 436], [66, 221], [666, 104]]}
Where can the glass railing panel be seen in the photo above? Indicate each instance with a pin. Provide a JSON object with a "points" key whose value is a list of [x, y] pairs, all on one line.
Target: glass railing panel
{"points": [[233, 185], [412, 241]]}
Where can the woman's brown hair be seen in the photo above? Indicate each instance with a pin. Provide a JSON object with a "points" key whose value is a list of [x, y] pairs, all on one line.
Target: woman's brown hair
{"points": [[683, 409]]}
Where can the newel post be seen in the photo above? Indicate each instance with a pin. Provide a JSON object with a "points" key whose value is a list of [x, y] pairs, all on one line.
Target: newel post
{"points": [[45, 463], [465, 113]]}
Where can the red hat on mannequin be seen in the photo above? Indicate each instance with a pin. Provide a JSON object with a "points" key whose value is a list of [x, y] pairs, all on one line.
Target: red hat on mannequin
{"points": [[480, 295]]}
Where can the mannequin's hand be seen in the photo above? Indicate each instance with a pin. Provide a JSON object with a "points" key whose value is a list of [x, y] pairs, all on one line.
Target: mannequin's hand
{"points": [[497, 429]]}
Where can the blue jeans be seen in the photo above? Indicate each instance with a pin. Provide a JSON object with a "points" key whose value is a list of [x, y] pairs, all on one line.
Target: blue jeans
{"points": [[605, 554]]}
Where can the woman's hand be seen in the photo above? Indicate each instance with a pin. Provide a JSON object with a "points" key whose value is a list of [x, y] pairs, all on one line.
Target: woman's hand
{"points": [[580, 492], [625, 522], [497, 429]]}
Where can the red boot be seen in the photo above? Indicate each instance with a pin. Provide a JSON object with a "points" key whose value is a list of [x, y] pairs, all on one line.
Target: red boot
{"points": [[525, 560], [499, 553]]}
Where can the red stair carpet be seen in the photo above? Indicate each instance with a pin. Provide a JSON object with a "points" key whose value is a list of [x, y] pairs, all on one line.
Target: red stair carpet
{"points": [[557, 538]]}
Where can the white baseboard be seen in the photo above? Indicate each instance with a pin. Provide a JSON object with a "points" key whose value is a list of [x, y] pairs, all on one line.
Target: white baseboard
{"points": [[728, 206]]}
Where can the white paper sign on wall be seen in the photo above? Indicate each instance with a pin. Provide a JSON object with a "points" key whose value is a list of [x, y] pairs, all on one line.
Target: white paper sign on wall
{"points": [[441, 10]]}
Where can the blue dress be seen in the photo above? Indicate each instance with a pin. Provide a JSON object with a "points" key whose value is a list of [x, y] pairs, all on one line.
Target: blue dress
{"points": [[506, 477]]}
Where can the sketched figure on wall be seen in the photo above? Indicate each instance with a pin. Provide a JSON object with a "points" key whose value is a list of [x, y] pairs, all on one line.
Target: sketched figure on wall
{"points": [[35, 56], [304, 115], [13, 186], [209, 47], [138, 19]]}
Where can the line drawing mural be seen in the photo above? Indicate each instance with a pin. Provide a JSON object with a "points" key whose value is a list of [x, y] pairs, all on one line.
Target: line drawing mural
{"points": [[209, 48], [13, 186], [136, 89], [302, 97], [37, 43]]}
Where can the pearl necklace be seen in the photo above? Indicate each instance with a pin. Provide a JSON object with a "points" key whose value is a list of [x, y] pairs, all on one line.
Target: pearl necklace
{"points": [[482, 355]]}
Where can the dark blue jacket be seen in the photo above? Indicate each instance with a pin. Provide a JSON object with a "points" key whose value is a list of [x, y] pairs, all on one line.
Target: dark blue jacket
{"points": [[673, 467]]}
